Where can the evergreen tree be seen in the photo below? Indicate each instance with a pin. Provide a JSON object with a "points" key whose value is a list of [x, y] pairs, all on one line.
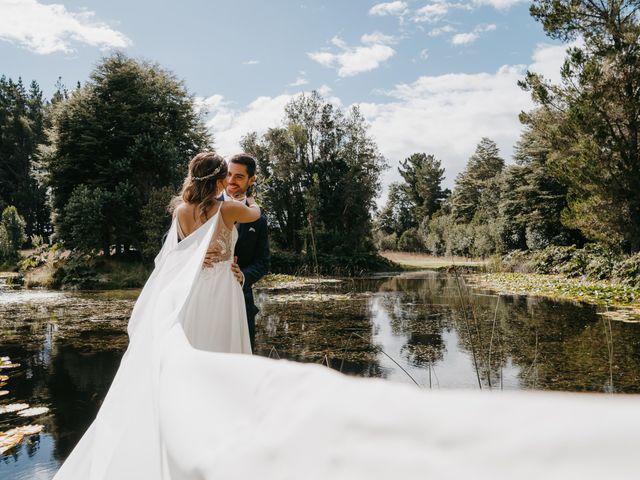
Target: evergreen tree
{"points": [[595, 139], [423, 175], [22, 125], [477, 184], [130, 130]]}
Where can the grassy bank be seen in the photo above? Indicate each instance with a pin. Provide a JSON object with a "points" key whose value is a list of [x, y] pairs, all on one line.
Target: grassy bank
{"points": [[422, 261]]}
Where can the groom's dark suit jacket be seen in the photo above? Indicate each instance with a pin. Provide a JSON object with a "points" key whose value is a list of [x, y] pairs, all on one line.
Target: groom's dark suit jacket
{"points": [[252, 250]]}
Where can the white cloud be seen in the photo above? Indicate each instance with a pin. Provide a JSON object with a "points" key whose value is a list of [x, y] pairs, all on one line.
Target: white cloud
{"points": [[436, 32], [548, 59], [298, 82], [354, 60], [205, 105], [251, 62], [466, 38], [46, 29], [424, 54], [390, 8], [431, 13], [445, 115], [229, 125], [378, 38], [498, 4]]}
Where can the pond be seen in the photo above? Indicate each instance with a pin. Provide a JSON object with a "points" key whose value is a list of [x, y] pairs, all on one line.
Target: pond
{"points": [[426, 328]]}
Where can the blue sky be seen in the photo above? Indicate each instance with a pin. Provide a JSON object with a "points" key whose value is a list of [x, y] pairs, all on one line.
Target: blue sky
{"points": [[429, 76]]}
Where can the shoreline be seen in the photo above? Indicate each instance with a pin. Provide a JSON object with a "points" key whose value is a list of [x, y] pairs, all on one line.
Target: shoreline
{"points": [[623, 299]]}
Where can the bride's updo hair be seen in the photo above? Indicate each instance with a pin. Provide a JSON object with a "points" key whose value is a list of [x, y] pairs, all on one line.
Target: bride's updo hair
{"points": [[200, 186]]}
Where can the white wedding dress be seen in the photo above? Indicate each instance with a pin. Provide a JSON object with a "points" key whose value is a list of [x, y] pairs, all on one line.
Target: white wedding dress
{"points": [[176, 411], [183, 308]]}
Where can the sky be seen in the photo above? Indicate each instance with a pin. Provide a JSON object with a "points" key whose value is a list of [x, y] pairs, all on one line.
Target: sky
{"points": [[429, 76]]}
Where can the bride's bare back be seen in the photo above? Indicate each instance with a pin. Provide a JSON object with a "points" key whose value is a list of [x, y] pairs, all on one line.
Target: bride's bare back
{"points": [[189, 219]]}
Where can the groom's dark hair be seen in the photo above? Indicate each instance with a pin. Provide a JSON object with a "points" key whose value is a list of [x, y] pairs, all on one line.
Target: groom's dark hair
{"points": [[246, 160]]}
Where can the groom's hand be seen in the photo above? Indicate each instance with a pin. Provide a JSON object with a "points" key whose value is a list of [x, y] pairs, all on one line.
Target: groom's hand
{"points": [[236, 271]]}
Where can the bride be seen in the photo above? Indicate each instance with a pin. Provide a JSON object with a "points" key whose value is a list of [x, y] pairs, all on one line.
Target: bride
{"points": [[191, 302]]}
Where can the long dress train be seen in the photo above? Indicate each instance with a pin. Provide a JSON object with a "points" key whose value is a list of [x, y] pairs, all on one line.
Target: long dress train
{"points": [[175, 412]]}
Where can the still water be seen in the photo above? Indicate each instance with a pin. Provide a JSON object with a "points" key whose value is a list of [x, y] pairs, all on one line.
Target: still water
{"points": [[424, 328]]}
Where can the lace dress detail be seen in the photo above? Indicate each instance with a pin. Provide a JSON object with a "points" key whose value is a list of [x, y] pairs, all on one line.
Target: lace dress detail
{"points": [[222, 241]]}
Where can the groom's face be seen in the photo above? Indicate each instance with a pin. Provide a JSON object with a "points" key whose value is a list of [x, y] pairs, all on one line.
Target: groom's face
{"points": [[238, 181]]}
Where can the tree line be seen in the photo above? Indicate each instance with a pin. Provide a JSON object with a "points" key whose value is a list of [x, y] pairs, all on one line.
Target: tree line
{"points": [[94, 167], [576, 176]]}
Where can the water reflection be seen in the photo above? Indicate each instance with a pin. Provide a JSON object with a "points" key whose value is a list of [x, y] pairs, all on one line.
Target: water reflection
{"points": [[426, 326]]}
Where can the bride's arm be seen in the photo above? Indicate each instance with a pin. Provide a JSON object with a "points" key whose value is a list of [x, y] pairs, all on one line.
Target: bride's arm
{"points": [[236, 212]]}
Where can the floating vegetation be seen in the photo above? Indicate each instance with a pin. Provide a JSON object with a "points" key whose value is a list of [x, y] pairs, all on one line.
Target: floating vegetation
{"points": [[5, 362], [4, 378], [560, 287], [10, 439], [315, 297], [627, 315], [13, 437], [290, 282], [33, 412], [4, 392], [13, 407]]}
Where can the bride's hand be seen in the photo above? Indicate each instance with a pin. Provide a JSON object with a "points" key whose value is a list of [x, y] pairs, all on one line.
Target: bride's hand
{"points": [[251, 201]]}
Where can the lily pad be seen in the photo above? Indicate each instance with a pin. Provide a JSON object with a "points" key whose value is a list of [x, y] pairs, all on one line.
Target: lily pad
{"points": [[10, 439], [13, 407], [32, 412], [13, 437]]}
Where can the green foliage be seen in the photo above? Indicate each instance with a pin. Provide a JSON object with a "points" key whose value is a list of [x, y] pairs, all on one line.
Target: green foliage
{"points": [[23, 121], [85, 271], [385, 241], [397, 214], [129, 131], [476, 181], [12, 234], [82, 223], [628, 271], [410, 241], [423, 175], [592, 118], [319, 178], [155, 221], [15, 226]]}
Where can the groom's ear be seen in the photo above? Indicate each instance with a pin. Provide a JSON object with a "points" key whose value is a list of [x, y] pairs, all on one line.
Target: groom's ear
{"points": [[252, 180]]}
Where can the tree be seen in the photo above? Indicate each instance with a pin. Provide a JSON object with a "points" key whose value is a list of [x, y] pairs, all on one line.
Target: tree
{"points": [[130, 130], [423, 175], [22, 125], [474, 184], [595, 141], [396, 216], [12, 233], [320, 175], [531, 199]]}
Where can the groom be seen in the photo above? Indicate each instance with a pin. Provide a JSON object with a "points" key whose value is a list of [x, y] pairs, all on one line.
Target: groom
{"points": [[252, 257]]}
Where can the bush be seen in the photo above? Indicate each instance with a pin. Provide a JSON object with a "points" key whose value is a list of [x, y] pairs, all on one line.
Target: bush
{"points": [[77, 272], [12, 234], [628, 270], [384, 241], [518, 261], [410, 241]]}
